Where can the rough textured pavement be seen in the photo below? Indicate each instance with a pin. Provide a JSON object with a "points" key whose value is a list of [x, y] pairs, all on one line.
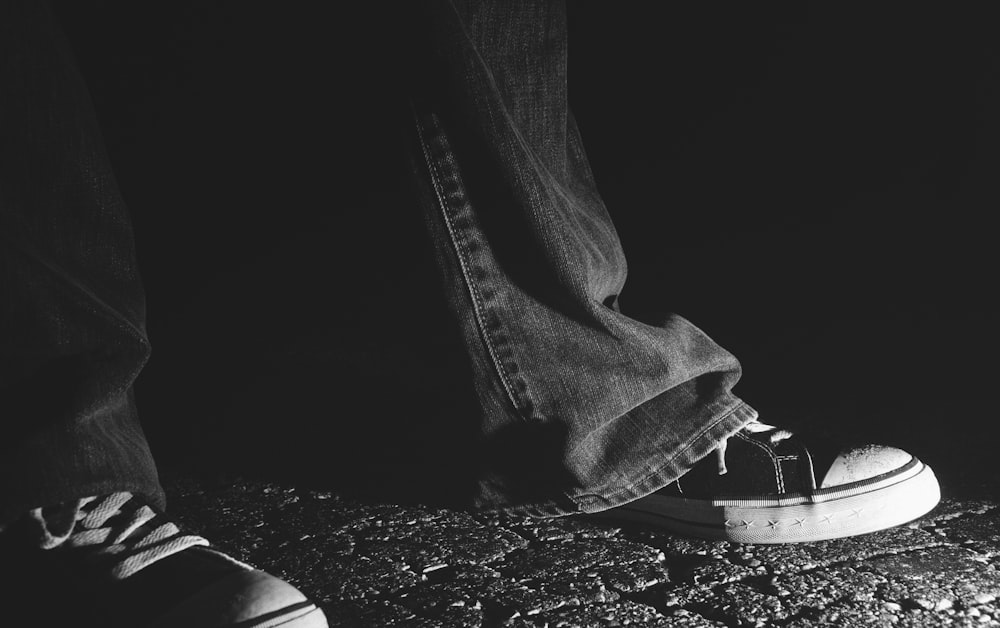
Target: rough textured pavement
{"points": [[391, 565]]}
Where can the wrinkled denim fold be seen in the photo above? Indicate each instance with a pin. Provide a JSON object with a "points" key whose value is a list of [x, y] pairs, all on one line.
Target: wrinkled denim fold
{"points": [[583, 407]]}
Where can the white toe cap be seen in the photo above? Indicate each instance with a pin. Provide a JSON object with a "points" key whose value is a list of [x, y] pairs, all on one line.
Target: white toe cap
{"points": [[861, 463]]}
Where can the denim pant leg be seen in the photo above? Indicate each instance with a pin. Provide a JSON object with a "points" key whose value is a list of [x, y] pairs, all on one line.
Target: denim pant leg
{"points": [[72, 331], [584, 408]]}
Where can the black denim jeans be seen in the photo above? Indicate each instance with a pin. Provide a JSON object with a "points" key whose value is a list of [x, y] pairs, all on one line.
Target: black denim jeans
{"points": [[585, 408]]}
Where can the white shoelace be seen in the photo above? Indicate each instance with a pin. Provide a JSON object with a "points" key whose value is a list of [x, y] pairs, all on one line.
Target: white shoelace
{"points": [[133, 538], [754, 427]]}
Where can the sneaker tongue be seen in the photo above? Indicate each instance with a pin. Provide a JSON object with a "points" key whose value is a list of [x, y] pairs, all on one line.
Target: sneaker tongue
{"points": [[823, 448], [865, 462], [823, 456], [823, 452]]}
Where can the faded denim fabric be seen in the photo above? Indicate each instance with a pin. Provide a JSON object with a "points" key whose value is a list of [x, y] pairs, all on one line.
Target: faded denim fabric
{"points": [[584, 408], [72, 319]]}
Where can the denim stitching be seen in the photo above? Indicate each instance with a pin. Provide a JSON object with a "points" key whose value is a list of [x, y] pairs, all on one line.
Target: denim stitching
{"points": [[478, 306], [514, 128]]}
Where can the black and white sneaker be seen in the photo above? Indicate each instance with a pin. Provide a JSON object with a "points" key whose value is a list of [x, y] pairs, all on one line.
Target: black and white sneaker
{"points": [[764, 485], [147, 573]]}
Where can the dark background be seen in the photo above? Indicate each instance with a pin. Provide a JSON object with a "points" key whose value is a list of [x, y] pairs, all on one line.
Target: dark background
{"points": [[813, 187]]}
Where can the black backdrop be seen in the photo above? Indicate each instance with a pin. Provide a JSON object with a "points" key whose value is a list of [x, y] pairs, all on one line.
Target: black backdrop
{"points": [[814, 187]]}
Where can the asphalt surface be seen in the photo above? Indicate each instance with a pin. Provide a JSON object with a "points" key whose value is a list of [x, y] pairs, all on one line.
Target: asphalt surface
{"points": [[392, 565]]}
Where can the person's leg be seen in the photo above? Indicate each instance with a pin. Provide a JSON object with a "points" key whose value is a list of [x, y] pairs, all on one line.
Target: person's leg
{"points": [[72, 326], [77, 480], [585, 408]]}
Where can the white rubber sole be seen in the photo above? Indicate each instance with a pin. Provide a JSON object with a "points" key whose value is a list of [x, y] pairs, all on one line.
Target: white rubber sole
{"points": [[245, 599], [876, 504], [310, 617]]}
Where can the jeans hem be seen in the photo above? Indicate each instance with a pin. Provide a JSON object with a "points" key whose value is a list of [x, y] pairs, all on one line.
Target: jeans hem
{"points": [[728, 422], [153, 492]]}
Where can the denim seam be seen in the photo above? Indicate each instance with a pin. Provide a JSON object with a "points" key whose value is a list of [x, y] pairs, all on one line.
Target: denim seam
{"points": [[539, 170], [478, 304]]}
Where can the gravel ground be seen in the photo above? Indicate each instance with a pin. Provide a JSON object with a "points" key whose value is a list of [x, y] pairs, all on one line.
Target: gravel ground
{"points": [[392, 565]]}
